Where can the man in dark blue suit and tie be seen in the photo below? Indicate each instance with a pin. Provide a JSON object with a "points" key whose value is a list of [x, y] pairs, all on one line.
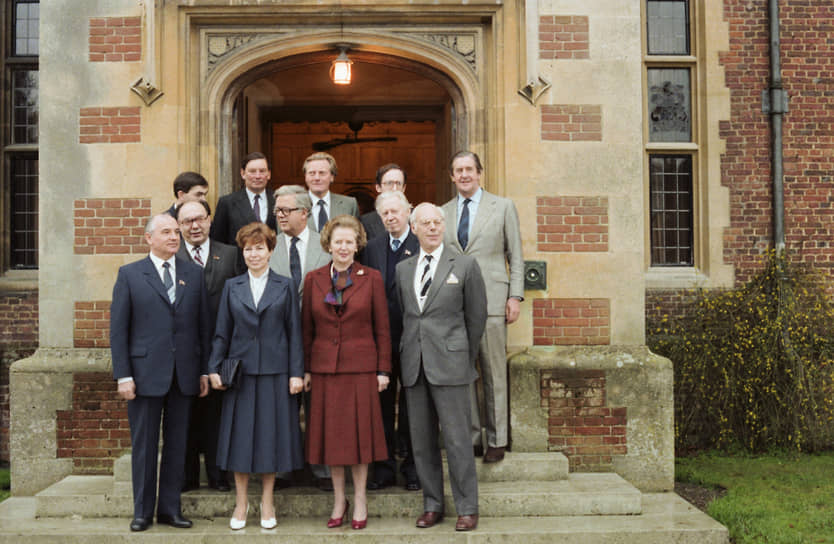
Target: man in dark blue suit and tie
{"points": [[159, 342], [383, 253]]}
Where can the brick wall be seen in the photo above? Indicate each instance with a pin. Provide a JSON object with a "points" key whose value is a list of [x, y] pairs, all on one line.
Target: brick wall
{"points": [[563, 37], [110, 225], [580, 423], [571, 122], [18, 340], [571, 321], [575, 223], [109, 125], [91, 324], [807, 64], [95, 431], [115, 39]]}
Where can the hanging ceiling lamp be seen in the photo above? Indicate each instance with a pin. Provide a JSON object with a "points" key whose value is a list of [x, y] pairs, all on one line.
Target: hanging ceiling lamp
{"points": [[340, 68]]}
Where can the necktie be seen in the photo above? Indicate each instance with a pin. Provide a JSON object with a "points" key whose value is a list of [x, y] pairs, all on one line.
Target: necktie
{"points": [[395, 244], [425, 279], [197, 257], [168, 282], [322, 215], [463, 225], [257, 208], [295, 263]]}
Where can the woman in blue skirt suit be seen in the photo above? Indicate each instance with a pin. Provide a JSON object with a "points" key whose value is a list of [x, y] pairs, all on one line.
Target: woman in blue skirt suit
{"points": [[258, 322]]}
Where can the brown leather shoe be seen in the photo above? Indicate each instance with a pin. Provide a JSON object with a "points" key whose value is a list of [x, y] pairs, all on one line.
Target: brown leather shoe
{"points": [[467, 523], [429, 519], [493, 455]]}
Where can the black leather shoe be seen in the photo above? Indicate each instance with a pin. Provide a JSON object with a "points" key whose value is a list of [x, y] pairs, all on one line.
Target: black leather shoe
{"points": [[175, 521], [220, 485], [478, 450], [140, 524], [413, 484], [325, 484], [374, 485]]}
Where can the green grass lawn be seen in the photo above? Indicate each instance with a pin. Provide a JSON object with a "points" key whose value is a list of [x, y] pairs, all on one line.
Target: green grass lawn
{"points": [[771, 498], [5, 484]]}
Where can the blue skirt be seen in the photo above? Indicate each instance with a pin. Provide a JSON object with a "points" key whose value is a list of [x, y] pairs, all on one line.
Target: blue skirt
{"points": [[259, 431]]}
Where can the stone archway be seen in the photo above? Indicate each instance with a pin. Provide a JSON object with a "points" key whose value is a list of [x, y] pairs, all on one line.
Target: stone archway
{"points": [[453, 57]]}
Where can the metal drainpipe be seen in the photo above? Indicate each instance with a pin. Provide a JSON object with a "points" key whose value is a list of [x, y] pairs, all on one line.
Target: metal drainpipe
{"points": [[778, 105]]}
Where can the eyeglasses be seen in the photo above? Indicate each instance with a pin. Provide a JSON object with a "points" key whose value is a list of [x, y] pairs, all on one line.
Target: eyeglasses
{"points": [[285, 211], [392, 184], [191, 220]]}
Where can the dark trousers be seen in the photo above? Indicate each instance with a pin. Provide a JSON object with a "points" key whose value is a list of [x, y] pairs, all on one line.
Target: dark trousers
{"points": [[144, 415], [202, 438], [385, 471]]}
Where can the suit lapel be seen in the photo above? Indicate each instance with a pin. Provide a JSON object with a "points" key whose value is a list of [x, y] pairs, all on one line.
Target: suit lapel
{"points": [[486, 209], [451, 211], [242, 291], [410, 270], [280, 257], [152, 277], [359, 278], [271, 292], [244, 209]]}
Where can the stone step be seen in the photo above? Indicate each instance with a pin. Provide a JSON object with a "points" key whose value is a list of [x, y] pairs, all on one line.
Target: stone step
{"points": [[579, 494], [666, 518], [514, 467]]}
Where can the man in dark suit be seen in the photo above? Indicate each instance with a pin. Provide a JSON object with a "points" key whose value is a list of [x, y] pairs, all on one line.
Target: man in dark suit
{"points": [[389, 177], [383, 253], [486, 227], [252, 203], [319, 173], [188, 186], [444, 306], [219, 262], [159, 342], [292, 208]]}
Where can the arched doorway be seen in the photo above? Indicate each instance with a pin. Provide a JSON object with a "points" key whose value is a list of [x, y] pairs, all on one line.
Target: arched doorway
{"points": [[410, 102], [394, 110]]}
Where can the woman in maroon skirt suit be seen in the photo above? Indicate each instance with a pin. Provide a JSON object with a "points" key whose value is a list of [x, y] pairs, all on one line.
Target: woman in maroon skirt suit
{"points": [[347, 356]]}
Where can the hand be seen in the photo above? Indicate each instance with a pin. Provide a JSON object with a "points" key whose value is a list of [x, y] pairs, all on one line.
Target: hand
{"points": [[308, 382], [382, 381], [127, 390], [204, 386], [216, 382], [513, 310], [296, 385]]}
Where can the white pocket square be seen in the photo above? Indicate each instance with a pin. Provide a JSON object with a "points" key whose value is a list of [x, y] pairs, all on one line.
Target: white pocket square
{"points": [[452, 279]]}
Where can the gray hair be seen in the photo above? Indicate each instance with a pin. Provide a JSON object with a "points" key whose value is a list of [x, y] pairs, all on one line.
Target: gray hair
{"points": [[422, 206], [151, 224], [302, 197], [399, 195]]}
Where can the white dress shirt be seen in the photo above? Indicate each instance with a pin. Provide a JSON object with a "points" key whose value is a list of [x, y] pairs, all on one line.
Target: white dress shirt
{"points": [[474, 202], [258, 285], [263, 204], [315, 211], [301, 246], [204, 250], [418, 275]]}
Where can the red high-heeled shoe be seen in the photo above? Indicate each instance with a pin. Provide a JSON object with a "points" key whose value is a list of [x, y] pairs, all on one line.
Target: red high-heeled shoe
{"points": [[337, 522], [359, 524]]}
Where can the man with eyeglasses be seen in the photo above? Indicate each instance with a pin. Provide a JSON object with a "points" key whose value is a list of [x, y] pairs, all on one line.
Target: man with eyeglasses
{"points": [[220, 262], [297, 251], [389, 177]]}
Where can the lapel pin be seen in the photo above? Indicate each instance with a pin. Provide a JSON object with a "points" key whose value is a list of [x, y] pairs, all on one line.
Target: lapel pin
{"points": [[407, 252], [181, 282], [360, 272]]}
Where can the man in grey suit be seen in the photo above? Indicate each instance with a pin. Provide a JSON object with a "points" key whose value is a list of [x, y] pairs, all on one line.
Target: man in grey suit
{"points": [[443, 301], [319, 173], [298, 251], [219, 262], [486, 227]]}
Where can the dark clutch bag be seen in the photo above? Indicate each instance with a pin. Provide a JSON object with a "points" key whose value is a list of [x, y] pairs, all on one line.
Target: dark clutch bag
{"points": [[230, 372]]}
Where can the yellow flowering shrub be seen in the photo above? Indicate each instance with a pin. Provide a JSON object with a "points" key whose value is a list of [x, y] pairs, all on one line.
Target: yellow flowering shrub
{"points": [[753, 365]]}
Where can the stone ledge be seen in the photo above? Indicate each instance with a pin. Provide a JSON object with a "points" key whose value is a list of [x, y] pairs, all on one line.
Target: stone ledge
{"points": [[636, 379]]}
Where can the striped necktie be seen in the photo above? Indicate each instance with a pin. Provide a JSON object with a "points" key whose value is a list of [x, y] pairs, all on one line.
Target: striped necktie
{"points": [[425, 279]]}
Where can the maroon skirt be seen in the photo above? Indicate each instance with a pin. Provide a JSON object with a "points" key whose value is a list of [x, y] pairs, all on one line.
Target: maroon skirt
{"points": [[344, 426]]}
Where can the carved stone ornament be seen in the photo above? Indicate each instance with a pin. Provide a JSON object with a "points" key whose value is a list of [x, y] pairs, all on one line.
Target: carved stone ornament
{"points": [[534, 90], [462, 45], [146, 90], [221, 45]]}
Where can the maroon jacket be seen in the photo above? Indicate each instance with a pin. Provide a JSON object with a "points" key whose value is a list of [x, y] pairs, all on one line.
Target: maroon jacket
{"points": [[356, 340]]}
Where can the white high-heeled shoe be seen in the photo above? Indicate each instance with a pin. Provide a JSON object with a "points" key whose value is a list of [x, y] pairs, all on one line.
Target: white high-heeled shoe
{"points": [[237, 524], [270, 523]]}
